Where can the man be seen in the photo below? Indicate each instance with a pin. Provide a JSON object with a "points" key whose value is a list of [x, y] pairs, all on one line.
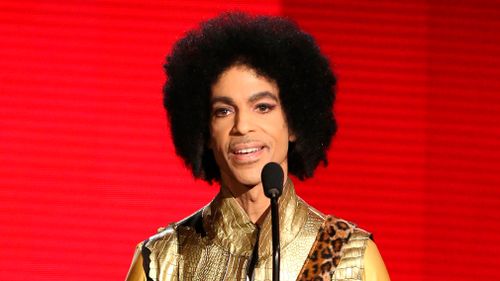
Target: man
{"points": [[241, 92]]}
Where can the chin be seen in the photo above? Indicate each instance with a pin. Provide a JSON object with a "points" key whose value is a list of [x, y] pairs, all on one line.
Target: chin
{"points": [[247, 176], [248, 179]]}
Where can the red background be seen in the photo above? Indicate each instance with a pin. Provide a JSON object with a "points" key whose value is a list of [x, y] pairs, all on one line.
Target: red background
{"points": [[87, 167]]}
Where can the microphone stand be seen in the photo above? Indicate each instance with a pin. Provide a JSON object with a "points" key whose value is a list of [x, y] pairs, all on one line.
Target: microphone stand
{"points": [[276, 238], [272, 182]]}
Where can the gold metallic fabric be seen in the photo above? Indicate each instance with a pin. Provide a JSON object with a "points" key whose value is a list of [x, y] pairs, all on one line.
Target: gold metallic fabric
{"points": [[351, 265], [332, 248], [224, 251]]}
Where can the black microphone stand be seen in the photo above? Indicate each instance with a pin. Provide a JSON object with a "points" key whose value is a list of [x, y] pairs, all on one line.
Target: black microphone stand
{"points": [[276, 238], [272, 181]]}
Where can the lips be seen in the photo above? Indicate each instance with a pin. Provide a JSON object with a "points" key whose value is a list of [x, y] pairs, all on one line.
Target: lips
{"points": [[246, 153]]}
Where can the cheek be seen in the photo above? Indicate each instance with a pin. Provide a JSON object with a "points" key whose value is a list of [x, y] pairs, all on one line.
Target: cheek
{"points": [[220, 129], [277, 127], [218, 141]]}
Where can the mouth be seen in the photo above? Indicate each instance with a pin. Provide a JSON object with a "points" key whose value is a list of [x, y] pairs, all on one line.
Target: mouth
{"points": [[246, 153], [248, 150]]}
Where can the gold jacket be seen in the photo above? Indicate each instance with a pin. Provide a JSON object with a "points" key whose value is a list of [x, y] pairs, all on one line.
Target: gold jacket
{"points": [[217, 243]]}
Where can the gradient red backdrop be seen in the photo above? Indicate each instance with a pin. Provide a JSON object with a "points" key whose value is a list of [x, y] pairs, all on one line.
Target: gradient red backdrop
{"points": [[87, 167]]}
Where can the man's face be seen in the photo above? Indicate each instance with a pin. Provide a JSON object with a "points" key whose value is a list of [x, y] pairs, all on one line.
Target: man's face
{"points": [[248, 126]]}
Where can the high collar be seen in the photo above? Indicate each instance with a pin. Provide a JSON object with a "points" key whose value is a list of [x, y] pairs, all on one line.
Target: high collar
{"points": [[228, 225]]}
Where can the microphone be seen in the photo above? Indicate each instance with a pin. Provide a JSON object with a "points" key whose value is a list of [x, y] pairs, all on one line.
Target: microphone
{"points": [[272, 181]]}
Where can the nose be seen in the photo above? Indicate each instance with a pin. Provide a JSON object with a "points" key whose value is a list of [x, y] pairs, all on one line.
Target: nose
{"points": [[243, 123]]}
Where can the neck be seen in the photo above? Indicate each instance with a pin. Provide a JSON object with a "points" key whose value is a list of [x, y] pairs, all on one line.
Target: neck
{"points": [[254, 203], [251, 198]]}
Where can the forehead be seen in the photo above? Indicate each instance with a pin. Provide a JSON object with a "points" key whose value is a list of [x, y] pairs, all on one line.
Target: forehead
{"points": [[242, 82]]}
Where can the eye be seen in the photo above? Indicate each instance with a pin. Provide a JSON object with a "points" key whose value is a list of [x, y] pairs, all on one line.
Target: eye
{"points": [[264, 107], [221, 112]]}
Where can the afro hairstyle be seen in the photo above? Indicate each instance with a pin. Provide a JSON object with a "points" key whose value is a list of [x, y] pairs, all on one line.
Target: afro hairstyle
{"points": [[275, 48]]}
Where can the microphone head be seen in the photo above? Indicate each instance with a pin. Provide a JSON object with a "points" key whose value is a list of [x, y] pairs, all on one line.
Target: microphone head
{"points": [[272, 179]]}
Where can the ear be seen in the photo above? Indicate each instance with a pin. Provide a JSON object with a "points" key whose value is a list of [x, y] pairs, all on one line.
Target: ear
{"points": [[292, 137]]}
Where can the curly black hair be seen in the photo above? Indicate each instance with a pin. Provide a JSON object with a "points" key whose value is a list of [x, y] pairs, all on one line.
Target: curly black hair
{"points": [[275, 48]]}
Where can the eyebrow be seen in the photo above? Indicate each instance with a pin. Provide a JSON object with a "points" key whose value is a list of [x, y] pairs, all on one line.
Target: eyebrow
{"points": [[261, 95], [253, 98]]}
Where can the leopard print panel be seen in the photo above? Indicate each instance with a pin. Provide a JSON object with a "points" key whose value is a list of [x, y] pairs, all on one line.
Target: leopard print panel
{"points": [[326, 251]]}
